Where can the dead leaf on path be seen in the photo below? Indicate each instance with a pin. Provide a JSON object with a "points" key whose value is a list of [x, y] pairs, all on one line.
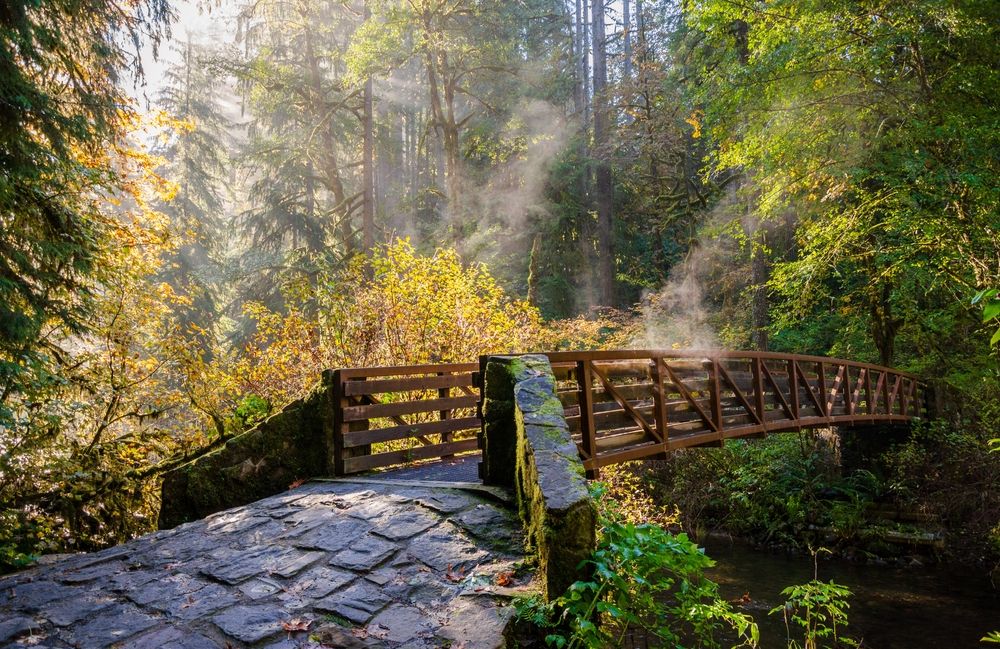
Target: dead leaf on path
{"points": [[296, 624], [296, 484], [378, 631], [504, 578], [454, 576]]}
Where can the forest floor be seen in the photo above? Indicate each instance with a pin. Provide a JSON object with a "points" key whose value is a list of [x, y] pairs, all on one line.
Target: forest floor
{"points": [[349, 563]]}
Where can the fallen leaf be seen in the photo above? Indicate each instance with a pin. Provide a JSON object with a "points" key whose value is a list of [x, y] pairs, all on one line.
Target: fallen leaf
{"points": [[296, 484], [742, 601], [454, 576], [378, 631], [504, 579], [296, 624]]}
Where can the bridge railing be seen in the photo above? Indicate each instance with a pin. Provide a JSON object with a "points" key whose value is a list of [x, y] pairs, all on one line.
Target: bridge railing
{"points": [[385, 416], [631, 404], [620, 405]]}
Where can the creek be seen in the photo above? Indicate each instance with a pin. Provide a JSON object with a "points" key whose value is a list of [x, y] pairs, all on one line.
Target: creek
{"points": [[914, 607]]}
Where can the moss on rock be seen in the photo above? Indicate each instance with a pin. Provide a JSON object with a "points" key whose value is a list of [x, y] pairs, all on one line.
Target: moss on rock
{"points": [[528, 446], [291, 445]]}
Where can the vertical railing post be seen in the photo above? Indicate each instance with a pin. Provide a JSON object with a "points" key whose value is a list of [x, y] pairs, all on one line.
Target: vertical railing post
{"points": [[585, 397], [758, 389], [821, 378], [715, 393], [338, 424], [793, 387], [444, 393], [660, 402]]}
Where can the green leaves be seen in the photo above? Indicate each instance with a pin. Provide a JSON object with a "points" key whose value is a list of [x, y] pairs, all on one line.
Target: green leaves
{"points": [[990, 299], [644, 578]]}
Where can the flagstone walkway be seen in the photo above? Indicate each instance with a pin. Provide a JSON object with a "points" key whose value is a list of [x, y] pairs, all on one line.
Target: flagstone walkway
{"points": [[345, 563]]}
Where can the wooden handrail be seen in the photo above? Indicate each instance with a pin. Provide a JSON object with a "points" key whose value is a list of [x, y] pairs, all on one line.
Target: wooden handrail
{"points": [[621, 404]]}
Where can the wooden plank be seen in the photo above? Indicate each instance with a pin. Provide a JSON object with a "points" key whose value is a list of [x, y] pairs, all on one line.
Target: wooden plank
{"points": [[375, 411], [366, 462], [406, 370], [408, 384], [588, 429], [659, 400], [360, 438]]}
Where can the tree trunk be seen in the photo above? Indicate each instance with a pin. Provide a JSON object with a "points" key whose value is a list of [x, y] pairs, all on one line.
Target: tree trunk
{"points": [[884, 325], [603, 186], [759, 272], [333, 181], [368, 165], [627, 19]]}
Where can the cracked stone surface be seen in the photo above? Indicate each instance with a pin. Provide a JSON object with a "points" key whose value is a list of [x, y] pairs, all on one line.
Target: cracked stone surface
{"points": [[334, 563]]}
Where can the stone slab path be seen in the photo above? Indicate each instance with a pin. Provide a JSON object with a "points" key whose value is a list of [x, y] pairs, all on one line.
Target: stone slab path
{"points": [[329, 564], [461, 469]]}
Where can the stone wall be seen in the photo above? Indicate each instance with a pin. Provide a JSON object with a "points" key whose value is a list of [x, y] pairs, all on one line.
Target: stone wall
{"points": [[294, 444], [527, 446]]}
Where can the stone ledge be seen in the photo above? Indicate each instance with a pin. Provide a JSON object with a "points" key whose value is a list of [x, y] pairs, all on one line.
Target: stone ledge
{"points": [[527, 445], [293, 444]]}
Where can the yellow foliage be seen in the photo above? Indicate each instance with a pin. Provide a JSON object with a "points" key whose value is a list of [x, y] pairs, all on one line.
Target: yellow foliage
{"points": [[695, 121], [402, 309]]}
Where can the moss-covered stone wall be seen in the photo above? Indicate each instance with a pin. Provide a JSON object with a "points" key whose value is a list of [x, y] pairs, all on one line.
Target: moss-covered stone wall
{"points": [[527, 446], [294, 444]]}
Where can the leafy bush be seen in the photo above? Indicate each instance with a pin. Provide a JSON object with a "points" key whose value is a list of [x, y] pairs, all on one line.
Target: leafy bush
{"points": [[644, 578], [398, 308]]}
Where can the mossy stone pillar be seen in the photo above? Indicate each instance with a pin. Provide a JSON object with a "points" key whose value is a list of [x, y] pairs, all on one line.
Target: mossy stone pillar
{"points": [[528, 445]]}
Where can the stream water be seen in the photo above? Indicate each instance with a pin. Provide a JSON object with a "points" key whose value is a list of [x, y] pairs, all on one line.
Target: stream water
{"points": [[916, 607]]}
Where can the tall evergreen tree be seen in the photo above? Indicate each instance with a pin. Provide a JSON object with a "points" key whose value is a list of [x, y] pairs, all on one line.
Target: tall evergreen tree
{"points": [[197, 161]]}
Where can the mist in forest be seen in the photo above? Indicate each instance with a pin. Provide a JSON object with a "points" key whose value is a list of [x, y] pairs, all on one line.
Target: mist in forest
{"points": [[317, 132]]}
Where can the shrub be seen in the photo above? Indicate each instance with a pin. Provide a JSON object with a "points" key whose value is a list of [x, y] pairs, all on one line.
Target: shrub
{"points": [[644, 578]]}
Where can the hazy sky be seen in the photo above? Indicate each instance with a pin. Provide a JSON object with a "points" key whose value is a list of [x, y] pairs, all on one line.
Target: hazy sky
{"points": [[201, 19]]}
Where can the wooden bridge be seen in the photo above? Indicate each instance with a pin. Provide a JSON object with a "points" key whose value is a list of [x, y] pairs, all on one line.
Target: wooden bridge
{"points": [[620, 405]]}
